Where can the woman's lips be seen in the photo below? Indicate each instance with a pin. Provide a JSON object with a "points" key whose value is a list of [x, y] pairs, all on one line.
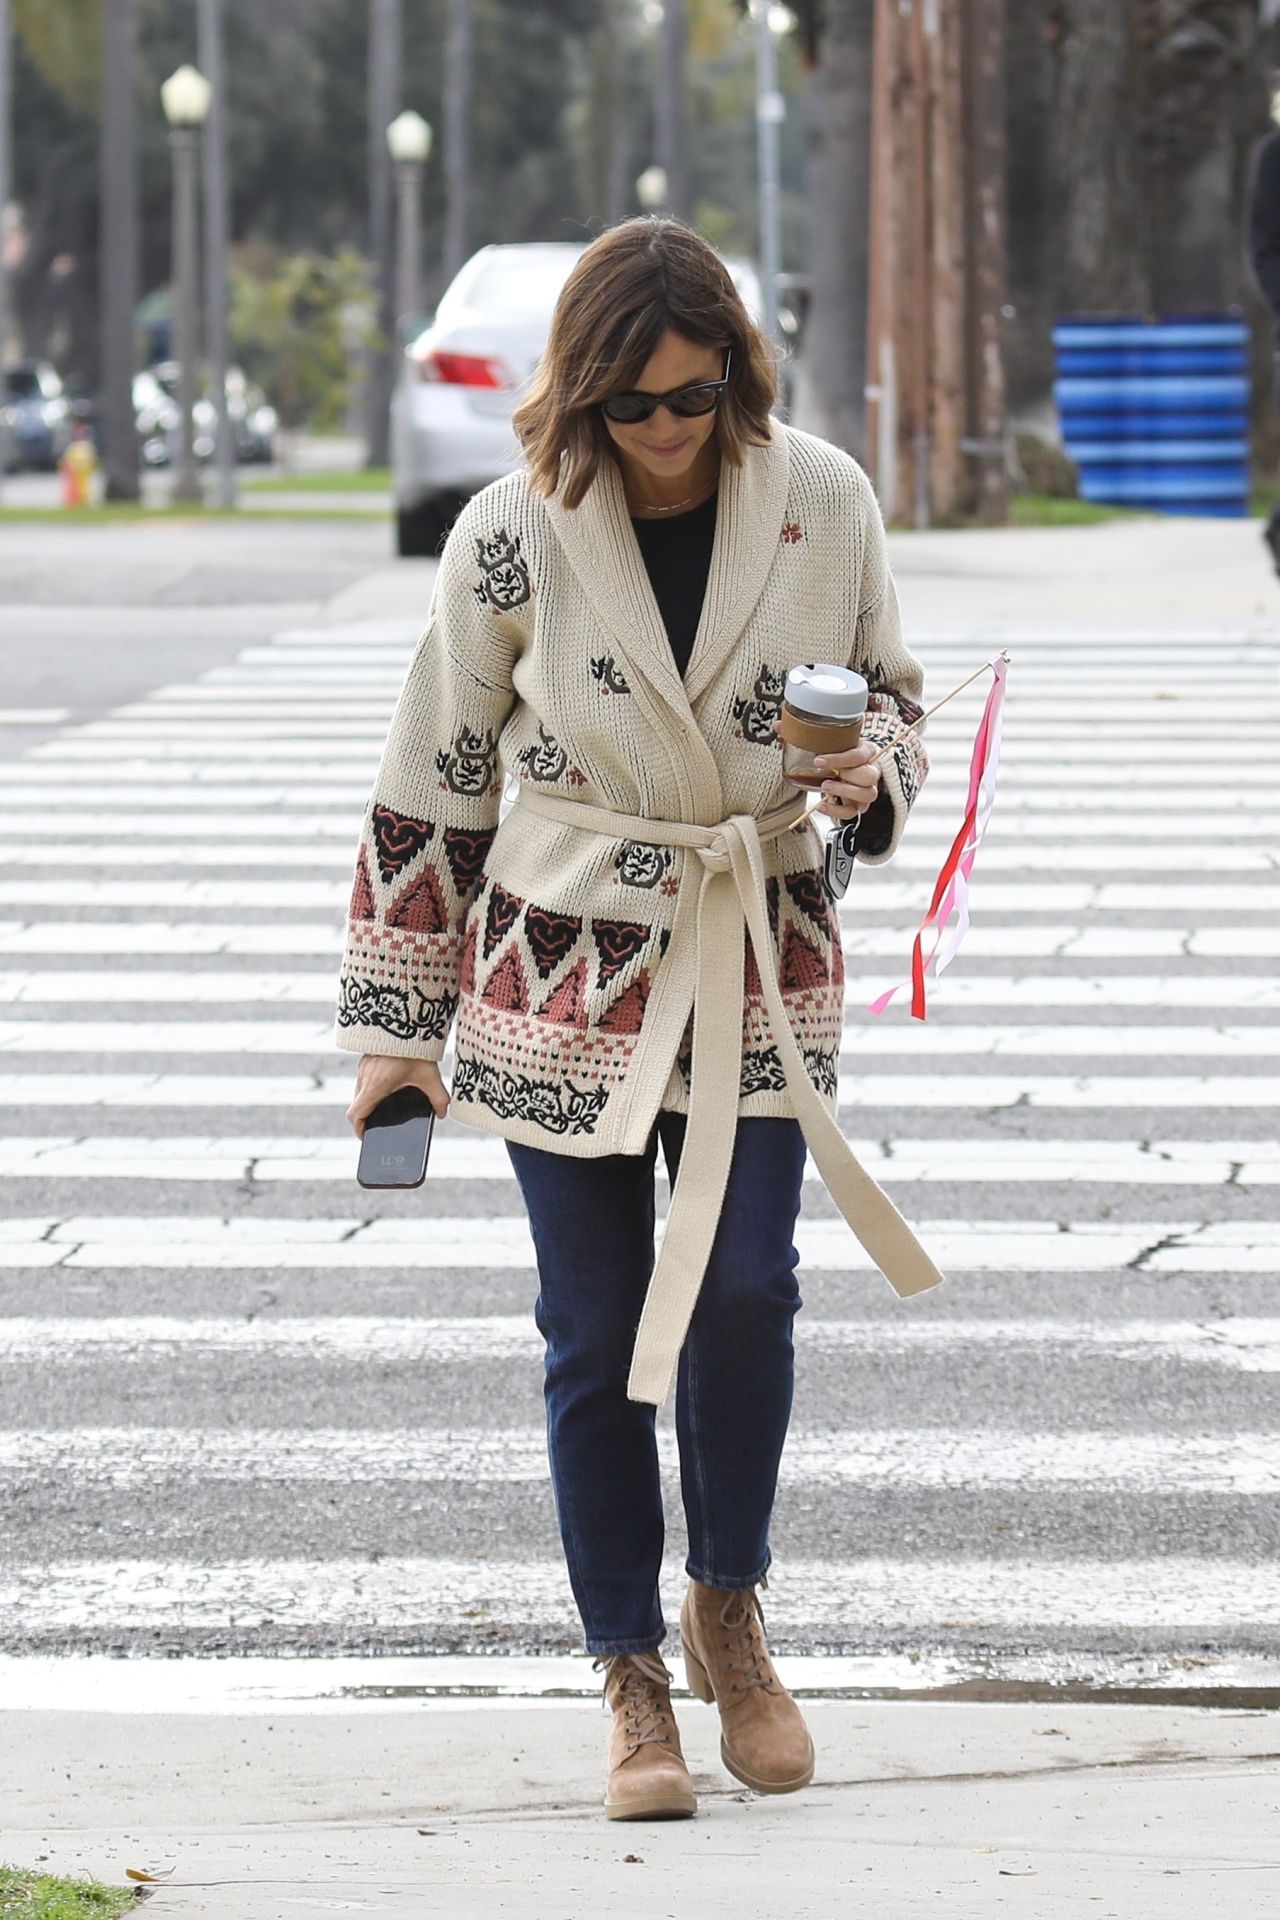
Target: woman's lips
{"points": [[677, 446]]}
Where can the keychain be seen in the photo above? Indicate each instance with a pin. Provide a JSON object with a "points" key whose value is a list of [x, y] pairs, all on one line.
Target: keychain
{"points": [[837, 868]]}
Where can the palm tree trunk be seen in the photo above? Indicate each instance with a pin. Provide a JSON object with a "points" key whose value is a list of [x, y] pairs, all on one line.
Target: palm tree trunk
{"points": [[832, 399], [672, 114], [384, 96], [458, 70], [614, 127], [1100, 255], [119, 248], [1206, 104]]}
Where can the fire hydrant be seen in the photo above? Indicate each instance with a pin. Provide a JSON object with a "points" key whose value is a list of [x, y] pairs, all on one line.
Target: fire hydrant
{"points": [[77, 467]]}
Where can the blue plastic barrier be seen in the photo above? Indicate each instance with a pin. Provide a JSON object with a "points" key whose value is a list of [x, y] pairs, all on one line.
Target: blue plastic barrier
{"points": [[1156, 413]]}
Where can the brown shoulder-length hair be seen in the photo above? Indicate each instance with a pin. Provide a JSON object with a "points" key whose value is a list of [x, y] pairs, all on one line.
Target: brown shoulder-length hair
{"points": [[636, 281]]}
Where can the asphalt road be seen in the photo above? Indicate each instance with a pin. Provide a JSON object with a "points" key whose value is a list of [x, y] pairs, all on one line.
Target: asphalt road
{"points": [[248, 1408]]}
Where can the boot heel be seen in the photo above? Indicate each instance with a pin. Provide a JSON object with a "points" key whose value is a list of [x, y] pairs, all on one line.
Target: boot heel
{"points": [[699, 1680]]}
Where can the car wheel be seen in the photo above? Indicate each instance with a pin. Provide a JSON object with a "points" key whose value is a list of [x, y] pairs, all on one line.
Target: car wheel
{"points": [[420, 530]]}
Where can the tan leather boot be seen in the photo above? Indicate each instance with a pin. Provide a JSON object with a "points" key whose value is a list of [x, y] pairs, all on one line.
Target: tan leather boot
{"points": [[763, 1738], [648, 1779]]}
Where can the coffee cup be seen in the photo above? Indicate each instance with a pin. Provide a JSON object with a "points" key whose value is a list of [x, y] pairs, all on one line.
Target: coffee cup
{"points": [[823, 708]]}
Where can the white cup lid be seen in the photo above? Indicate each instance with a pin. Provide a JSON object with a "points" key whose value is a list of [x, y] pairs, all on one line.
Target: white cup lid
{"points": [[835, 693]]}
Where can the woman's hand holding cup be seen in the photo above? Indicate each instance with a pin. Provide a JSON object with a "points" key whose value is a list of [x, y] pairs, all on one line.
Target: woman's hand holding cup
{"points": [[851, 781]]}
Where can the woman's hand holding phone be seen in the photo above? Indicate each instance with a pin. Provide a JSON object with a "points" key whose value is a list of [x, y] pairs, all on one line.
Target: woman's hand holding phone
{"points": [[380, 1074]]}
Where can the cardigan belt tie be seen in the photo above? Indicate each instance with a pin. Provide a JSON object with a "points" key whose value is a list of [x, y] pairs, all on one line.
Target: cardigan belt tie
{"points": [[731, 900]]}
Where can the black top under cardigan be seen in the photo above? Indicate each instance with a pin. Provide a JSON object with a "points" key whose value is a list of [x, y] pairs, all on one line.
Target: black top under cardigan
{"points": [[677, 557]]}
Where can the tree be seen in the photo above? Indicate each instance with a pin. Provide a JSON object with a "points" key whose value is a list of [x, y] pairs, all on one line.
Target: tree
{"points": [[1098, 259], [836, 332], [459, 66], [671, 106], [118, 251], [63, 41], [608, 184], [1204, 104], [384, 61], [293, 324]]}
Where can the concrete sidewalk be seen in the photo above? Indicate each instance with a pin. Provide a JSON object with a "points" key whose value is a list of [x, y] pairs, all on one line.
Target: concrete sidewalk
{"points": [[457, 1810], [1148, 572]]}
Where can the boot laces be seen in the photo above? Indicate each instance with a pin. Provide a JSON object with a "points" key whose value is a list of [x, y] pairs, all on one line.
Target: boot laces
{"points": [[643, 1696], [743, 1623]]}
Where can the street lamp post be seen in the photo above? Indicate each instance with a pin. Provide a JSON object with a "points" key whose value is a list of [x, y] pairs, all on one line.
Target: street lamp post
{"points": [[185, 97], [409, 139], [770, 112], [216, 222]]}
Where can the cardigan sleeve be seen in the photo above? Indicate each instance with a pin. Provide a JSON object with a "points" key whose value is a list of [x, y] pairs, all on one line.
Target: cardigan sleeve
{"points": [[432, 814], [896, 681]]}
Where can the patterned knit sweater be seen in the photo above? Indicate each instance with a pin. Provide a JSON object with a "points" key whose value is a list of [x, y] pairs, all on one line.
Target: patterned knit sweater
{"points": [[545, 661]]}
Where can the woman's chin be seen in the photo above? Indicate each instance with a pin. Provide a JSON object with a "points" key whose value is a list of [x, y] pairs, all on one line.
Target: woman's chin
{"points": [[672, 471]]}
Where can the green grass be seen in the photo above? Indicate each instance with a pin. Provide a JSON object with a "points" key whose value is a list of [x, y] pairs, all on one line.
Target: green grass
{"points": [[29, 1895], [362, 480], [1042, 510]]}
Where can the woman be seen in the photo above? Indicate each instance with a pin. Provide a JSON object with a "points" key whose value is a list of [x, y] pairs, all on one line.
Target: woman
{"points": [[612, 626]]}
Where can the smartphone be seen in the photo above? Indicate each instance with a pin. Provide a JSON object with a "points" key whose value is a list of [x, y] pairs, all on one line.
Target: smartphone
{"points": [[396, 1141]]}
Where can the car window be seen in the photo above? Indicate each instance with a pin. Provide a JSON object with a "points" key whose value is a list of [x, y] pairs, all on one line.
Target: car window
{"points": [[517, 283], [22, 383]]}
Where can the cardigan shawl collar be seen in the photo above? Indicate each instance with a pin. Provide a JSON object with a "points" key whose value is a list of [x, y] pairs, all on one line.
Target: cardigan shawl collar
{"points": [[601, 547]]}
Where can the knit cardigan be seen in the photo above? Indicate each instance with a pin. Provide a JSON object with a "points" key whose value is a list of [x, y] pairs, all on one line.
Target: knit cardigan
{"points": [[545, 663]]}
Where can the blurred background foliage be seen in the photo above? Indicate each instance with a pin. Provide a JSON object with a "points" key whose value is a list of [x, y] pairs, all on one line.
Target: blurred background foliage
{"points": [[298, 145], [1130, 128]]}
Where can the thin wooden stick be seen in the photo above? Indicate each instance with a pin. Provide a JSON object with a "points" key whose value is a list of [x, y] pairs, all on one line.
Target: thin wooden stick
{"points": [[900, 737]]}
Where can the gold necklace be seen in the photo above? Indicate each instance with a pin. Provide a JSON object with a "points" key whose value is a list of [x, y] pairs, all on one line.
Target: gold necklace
{"points": [[649, 507]]}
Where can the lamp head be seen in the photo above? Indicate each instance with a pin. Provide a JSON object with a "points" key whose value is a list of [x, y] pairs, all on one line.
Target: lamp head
{"points": [[185, 97], [409, 138], [651, 188]]}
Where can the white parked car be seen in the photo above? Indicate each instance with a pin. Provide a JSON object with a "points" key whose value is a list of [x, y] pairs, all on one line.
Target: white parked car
{"points": [[462, 379]]}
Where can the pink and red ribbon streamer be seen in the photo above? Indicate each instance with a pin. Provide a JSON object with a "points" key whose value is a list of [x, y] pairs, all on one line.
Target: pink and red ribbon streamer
{"points": [[948, 915]]}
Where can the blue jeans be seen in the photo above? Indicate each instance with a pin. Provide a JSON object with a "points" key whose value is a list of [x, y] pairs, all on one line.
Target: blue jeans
{"points": [[593, 1229]]}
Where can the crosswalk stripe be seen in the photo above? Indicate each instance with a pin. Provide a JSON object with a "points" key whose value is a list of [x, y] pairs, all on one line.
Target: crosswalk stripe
{"points": [[94, 1458], [973, 1596], [179, 1243], [158, 987], [1237, 1342], [1049, 787], [895, 1035], [363, 721], [104, 938], [230, 743], [101, 938], [1040, 698], [351, 726], [879, 894], [858, 1092], [292, 854], [279, 846], [269, 1158], [358, 769], [188, 802], [278, 822]]}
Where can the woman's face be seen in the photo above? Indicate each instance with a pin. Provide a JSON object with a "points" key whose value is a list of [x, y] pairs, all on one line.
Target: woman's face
{"points": [[663, 445]]}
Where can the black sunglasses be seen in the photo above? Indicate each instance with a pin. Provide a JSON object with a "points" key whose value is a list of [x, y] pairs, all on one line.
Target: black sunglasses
{"points": [[629, 409]]}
